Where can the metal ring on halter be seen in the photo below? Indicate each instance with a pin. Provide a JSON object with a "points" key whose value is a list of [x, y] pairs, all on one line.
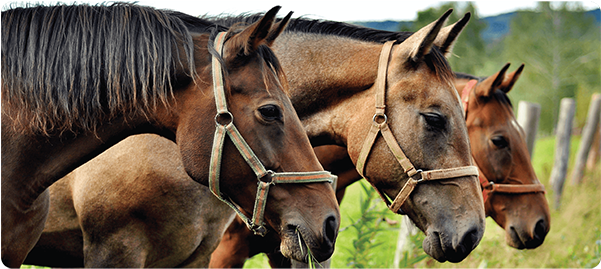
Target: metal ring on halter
{"points": [[268, 176], [421, 177], [220, 116], [380, 116]]}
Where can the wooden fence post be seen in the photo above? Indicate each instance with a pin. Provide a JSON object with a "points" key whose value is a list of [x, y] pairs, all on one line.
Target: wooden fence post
{"points": [[593, 155], [405, 231], [528, 117], [562, 147], [588, 133]]}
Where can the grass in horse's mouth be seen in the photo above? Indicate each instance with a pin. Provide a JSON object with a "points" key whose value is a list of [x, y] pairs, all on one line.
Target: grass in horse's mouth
{"points": [[311, 261]]}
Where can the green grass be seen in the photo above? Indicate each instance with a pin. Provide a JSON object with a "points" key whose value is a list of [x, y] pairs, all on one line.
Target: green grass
{"points": [[574, 240]]}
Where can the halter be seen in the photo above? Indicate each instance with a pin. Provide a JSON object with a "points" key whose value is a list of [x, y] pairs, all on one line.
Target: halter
{"points": [[225, 125], [489, 187], [380, 125]]}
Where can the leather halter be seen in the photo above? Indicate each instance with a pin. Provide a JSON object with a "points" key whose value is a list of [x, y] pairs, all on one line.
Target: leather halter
{"points": [[225, 125], [489, 187], [380, 124]]}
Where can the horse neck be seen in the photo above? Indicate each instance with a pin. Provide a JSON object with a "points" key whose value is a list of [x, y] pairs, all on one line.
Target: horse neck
{"points": [[325, 72], [37, 161]]}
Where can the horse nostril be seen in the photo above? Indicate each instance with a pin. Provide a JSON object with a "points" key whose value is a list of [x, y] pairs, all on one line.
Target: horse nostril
{"points": [[330, 229], [540, 230], [470, 241]]}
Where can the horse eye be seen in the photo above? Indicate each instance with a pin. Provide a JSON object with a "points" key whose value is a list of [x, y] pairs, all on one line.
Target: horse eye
{"points": [[435, 120], [500, 142], [270, 112]]}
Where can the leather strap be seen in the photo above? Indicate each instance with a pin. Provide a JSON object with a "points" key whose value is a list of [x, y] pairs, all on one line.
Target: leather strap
{"points": [[380, 125], [224, 122]]}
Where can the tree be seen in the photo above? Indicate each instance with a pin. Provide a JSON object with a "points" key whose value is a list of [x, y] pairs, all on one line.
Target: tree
{"points": [[560, 47], [469, 50]]}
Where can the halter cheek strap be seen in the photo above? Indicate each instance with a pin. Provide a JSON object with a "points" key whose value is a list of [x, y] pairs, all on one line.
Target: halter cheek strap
{"points": [[489, 187], [380, 125], [225, 125]]}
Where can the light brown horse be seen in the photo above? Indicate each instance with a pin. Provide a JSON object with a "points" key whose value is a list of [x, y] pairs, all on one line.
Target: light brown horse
{"points": [[499, 149], [423, 111], [78, 79]]}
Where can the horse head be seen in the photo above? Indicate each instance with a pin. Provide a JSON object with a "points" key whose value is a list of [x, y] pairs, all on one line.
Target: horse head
{"points": [[427, 122], [267, 146], [513, 196]]}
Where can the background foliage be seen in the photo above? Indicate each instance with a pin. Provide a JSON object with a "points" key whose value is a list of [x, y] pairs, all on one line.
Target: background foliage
{"points": [[559, 43]]}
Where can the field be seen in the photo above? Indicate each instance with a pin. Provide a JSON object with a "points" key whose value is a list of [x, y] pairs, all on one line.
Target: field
{"points": [[574, 240]]}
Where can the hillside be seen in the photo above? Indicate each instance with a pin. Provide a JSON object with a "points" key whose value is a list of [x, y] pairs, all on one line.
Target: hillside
{"points": [[497, 26]]}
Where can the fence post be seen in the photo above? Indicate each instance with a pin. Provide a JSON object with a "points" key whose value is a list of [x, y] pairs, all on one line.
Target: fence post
{"points": [[405, 231], [593, 155], [562, 147], [528, 117], [588, 133]]}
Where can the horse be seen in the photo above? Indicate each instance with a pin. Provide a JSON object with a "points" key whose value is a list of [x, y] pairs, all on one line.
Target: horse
{"points": [[329, 103], [513, 195], [77, 79], [499, 148]]}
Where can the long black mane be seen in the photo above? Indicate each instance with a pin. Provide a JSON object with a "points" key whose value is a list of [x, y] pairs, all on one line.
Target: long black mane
{"points": [[70, 67], [435, 60]]}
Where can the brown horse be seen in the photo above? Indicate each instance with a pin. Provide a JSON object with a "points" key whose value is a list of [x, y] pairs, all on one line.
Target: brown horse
{"points": [[499, 149], [426, 118], [513, 195], [78, 79]]}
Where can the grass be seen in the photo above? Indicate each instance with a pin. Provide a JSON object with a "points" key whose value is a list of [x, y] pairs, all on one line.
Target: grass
{"points": [[574, 240]]}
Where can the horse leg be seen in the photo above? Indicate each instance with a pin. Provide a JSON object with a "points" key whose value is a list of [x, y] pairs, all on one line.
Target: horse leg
{"points": [[21, 229], [126, 247]]}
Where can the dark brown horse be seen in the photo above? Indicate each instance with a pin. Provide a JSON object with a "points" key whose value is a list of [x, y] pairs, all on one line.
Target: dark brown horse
{"points": [[78, 79], [424, 113], [513, 195]]}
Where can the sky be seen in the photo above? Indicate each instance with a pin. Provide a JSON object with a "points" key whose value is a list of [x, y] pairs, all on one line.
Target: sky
{"points": [[337, 10]]}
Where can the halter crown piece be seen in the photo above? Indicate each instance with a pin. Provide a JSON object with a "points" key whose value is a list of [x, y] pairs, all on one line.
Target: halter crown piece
{"points": [[380, 124], [489, 187], [225, 125]]}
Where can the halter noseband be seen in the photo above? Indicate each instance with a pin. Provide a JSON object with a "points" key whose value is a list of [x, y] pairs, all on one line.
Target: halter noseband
{"points": [[225, 125], [489, 187], [380, 125]]}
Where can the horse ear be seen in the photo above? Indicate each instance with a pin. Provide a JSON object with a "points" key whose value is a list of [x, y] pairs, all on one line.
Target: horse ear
{"points": [[511, 79], [421, 41], [278, 29], [490, 84], [448, 35], [254, 35]]}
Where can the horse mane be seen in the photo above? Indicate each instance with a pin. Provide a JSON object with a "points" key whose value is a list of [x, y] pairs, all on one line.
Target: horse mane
{"points": [[435, 60], [497, 94], [71, 67]]}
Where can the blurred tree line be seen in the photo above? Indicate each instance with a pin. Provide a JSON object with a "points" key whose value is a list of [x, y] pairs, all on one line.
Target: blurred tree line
{"points": [[560, 45]]}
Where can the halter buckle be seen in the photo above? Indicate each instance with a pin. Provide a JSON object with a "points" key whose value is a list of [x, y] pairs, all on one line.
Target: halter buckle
{"points": [[418, 172], [258, 229], [380, 119], [267, 177], [224, 118]]}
